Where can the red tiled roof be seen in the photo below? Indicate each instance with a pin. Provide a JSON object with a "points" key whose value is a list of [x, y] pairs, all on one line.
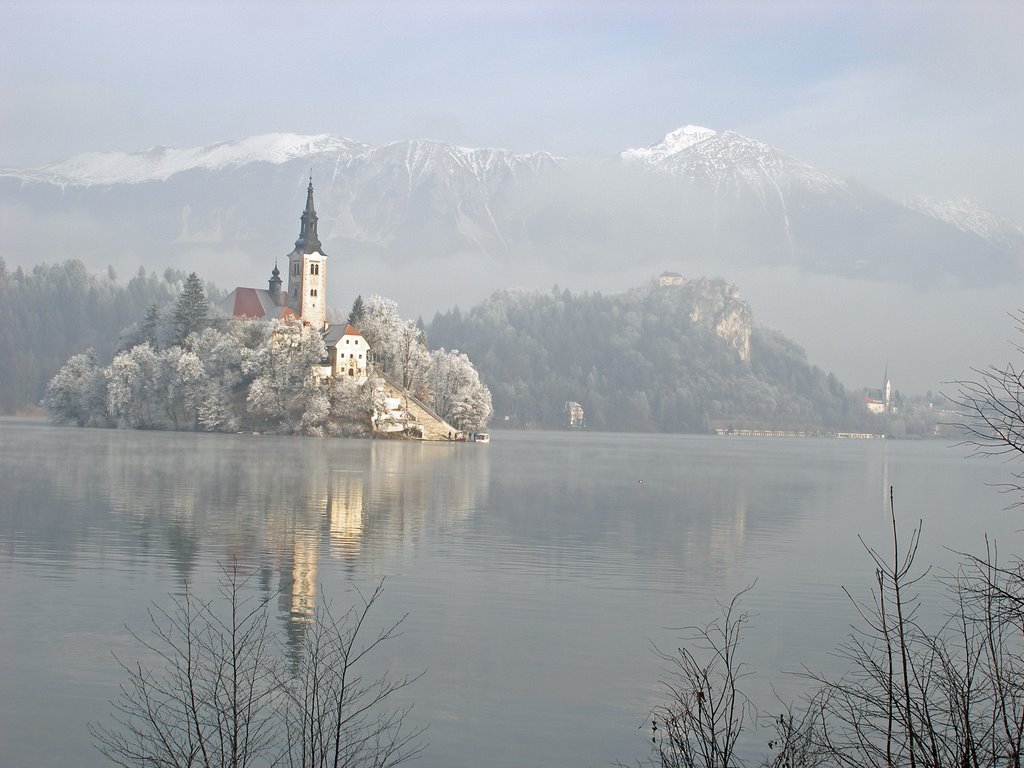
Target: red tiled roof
{"points": [[351, 330], [247, 303]]}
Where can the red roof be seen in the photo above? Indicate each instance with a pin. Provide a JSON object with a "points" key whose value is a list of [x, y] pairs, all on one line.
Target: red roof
{"points": [[351, 330], [255, 303], [247, 303]]}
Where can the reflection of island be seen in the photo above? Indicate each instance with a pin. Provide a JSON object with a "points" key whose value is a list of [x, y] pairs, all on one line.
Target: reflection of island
{"points": [[277, 505]]}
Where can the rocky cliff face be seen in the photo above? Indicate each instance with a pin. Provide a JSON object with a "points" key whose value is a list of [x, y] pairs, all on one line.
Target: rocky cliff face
{"points": [[717, 306]]}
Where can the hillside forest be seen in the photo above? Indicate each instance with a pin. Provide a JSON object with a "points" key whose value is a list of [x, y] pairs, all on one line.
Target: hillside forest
{"points": [[677, 358], [53, 311]]}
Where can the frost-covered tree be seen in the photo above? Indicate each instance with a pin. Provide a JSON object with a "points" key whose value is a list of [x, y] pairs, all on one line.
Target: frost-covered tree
{"points": [[131, 384], [191, 312], [398, 345], [458, 395], [78, 392], [351, 408], [380, 325], [221, 358], [181, 385], [286, 393]]}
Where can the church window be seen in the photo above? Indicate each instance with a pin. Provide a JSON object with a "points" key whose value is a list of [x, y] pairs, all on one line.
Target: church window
{"points": [[312, 291], [314, 269]]}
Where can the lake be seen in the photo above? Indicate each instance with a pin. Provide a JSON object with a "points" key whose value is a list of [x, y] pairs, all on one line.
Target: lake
{"points": [[536, 571]]}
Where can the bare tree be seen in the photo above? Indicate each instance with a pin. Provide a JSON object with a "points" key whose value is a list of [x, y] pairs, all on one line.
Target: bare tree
{"points": [[209, 697], [991, 410], [218, 692], [706, 711], [337, 716]]}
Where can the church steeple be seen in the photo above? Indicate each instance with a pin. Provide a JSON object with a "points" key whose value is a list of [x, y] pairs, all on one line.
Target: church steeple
{"points": [[307, 270], [275, 285], [308, 241]]}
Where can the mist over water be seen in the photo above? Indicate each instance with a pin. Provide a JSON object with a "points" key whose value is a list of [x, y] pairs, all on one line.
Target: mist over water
{"points": [[536, 571]]}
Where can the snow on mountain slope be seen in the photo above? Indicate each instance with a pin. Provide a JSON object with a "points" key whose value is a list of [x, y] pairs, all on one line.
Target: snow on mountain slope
{"points": [[422, 158], [968, 217], [160, 163], [714, 195], [673, 143], [728, 160]]}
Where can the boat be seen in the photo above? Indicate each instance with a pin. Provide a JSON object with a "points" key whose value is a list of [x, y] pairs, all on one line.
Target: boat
{"points": [[482, 437]]}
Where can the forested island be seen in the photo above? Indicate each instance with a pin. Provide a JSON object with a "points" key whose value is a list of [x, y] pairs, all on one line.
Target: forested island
{"points": [[183, 367]]}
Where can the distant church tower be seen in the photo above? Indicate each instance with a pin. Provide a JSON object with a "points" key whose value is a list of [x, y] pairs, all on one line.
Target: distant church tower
{"points": [[307, 271]]}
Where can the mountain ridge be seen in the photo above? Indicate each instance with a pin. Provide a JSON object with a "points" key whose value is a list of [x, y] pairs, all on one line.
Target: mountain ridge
{"points": [[698, 196]]}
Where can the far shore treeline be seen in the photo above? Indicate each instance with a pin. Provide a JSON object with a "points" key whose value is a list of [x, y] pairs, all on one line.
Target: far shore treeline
{"points": [[682, 358]]}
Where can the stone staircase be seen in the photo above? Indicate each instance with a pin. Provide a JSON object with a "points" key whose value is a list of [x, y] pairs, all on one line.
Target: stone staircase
{"points": [[418, 412]]}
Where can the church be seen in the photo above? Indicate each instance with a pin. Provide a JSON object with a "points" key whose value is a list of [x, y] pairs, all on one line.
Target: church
{"points": [[305, 299]]}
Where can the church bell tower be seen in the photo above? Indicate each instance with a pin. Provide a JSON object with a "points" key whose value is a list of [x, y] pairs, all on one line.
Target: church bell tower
{"points": [[307, 271]]}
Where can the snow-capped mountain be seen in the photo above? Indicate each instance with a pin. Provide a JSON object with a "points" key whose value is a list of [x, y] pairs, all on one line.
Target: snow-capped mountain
{"points": [[968, 216], [160, 163], [730, 160], [697, 195]]}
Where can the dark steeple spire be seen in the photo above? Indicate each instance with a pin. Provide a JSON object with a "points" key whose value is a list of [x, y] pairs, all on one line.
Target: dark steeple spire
{"points": [[308, 241], [275, 285]]}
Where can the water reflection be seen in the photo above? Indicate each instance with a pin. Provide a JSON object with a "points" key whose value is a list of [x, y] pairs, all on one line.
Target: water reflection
{"points": [[535, 571], [258, 501], [345, 514]]}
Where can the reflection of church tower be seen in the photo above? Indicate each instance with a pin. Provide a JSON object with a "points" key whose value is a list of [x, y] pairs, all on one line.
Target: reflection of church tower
{"points": [[345, 513], [307, 271], [304, 567]]}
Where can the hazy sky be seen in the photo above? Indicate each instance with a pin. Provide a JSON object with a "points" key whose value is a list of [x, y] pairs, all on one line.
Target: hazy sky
{"points": [[909, 97]]}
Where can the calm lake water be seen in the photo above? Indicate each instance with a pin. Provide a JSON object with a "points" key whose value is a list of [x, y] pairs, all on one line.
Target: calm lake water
{"points": [[536, 571]]}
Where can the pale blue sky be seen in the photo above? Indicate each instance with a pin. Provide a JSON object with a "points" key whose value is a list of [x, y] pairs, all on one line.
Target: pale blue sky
{"points": [[926, 98]]}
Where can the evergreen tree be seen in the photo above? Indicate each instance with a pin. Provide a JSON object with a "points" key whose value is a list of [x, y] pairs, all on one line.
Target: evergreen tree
{"points": [[355, 317], [191, 313], [150, 324]]}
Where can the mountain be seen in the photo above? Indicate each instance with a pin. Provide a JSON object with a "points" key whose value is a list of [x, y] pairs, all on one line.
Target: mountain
{"points": [[969, 217], [425, 212], [744, 191]]}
